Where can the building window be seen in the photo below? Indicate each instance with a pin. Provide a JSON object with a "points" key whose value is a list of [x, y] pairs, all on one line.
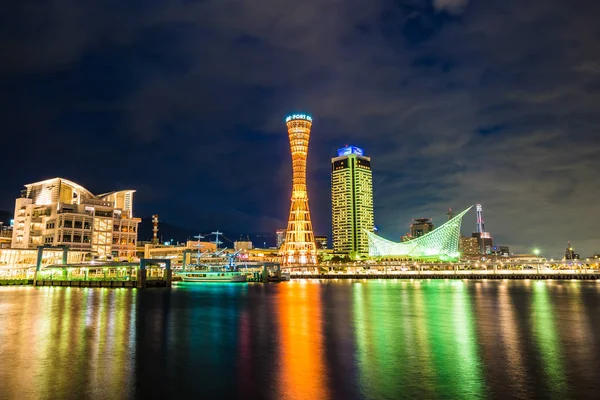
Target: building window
{"points": [[66, 238], [86, 239], [77, 238], [78, 224], [86, 225], [68, 224]]}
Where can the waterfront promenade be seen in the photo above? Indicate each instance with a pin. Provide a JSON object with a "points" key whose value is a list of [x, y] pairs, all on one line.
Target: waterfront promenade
{"points": [[125, 275], [469, 274]]}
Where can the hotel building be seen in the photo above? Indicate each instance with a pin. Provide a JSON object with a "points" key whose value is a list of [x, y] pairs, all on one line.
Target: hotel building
{"points": [[58, 212], [351, 201]]}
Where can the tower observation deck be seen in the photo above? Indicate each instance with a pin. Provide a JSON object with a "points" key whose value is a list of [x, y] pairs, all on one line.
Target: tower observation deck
{"points": [[299, 246]]}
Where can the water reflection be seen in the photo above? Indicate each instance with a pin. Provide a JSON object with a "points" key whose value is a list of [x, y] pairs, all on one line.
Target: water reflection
{"points": [[301, 356], [303, 340], [56, 340]]}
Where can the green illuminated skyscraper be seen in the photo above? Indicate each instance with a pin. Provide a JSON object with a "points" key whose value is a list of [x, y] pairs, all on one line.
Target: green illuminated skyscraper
{"points": [[351, 201]]}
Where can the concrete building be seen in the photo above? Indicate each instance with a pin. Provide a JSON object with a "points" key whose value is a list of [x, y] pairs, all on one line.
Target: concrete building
{"points": [[351, 202], [420, 227], [468, 247], [322, 242], [58, 212]]}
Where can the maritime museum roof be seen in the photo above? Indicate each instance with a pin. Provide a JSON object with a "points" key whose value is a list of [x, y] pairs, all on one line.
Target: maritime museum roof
{"points": [[441, 243]]}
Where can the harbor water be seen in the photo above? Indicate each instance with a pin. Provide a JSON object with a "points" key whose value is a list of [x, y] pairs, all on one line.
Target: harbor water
{"points": [[306, 339]]}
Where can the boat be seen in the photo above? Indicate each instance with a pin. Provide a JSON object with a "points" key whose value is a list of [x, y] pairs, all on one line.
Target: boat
{"points": [[203, 271], [212, 276]]}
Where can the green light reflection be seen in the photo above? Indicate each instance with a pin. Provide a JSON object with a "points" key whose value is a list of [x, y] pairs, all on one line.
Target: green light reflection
{"points": [[416, 336], [547, 340]]}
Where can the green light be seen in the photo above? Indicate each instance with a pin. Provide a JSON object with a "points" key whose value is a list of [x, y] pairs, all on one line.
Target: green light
{"points": [[536, 252], [441, 243]]}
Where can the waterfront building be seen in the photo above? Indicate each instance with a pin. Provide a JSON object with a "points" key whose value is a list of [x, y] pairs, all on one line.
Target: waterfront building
{"points": [[420, 227], [27, 258], [440, 244], [58, 212], [280, 233], [321, 242], [351, 201], [299, 246]]}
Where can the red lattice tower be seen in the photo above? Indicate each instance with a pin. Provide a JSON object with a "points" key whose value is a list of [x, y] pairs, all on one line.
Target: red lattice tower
{"points": [[299, 246]]}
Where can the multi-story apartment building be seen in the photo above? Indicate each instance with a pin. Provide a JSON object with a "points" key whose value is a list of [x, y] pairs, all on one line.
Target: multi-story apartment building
{"points": [[58, 212], [351, 201]]}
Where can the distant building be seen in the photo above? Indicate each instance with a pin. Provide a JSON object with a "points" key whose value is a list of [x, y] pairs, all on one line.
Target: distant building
{"points": [[485, 241], [468, 246], [247, 245], [5, 235], [321, 242], [280, 237], [484, 238], [351, 201], [502, 251], [570, 253], [58, 212], [420, 227]]}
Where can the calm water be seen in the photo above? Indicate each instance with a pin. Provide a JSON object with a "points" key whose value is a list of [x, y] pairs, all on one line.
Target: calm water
{"points": [[304, 340]]}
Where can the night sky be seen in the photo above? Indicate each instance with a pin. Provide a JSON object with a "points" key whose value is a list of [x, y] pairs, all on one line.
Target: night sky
{"points": [[456, 101]]}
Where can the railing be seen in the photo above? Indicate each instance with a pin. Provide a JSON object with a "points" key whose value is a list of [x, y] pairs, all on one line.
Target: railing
{"points": [[82, 274], [449, 273]]}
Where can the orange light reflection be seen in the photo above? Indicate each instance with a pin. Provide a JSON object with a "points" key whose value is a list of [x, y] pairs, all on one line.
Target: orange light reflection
{"points": [[301, 366]]}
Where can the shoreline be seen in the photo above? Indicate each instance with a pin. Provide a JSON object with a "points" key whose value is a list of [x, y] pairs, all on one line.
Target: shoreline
{"points": [[533, 276]]}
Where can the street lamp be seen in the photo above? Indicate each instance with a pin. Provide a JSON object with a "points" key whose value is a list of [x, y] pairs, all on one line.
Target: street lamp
{"points": [[536, 252]]}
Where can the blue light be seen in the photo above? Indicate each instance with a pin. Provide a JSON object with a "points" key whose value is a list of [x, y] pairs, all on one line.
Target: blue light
{"points": [[298, 116], [346, 151]]}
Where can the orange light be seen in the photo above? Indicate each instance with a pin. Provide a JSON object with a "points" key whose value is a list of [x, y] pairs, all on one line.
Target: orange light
{"points": [[299, 246]]}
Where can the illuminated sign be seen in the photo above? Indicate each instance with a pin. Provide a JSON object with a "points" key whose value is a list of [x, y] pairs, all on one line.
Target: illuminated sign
{"points": [[346, 151], [298, 116]]}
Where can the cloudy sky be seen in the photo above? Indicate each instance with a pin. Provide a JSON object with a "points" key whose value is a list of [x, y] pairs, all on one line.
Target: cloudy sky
{"points": [[456, 101]]}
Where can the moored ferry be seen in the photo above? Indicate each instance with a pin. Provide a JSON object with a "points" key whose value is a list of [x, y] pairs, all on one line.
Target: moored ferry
{"points": [[212, 276]]}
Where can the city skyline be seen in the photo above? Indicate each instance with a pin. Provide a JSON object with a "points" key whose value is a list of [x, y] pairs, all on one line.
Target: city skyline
{"points": [[185, 104]]}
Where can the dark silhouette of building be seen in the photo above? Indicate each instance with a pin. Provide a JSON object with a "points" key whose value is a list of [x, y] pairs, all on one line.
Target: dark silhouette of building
{"points": [[420, 227], [321, 242], [570, 253]]}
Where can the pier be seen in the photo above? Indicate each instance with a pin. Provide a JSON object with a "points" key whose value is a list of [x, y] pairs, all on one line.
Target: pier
{"points": [[146, 273], [479, 275]]}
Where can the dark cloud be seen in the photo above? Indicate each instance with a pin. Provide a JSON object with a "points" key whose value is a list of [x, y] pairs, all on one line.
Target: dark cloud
{"points": [[457, 102]]}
